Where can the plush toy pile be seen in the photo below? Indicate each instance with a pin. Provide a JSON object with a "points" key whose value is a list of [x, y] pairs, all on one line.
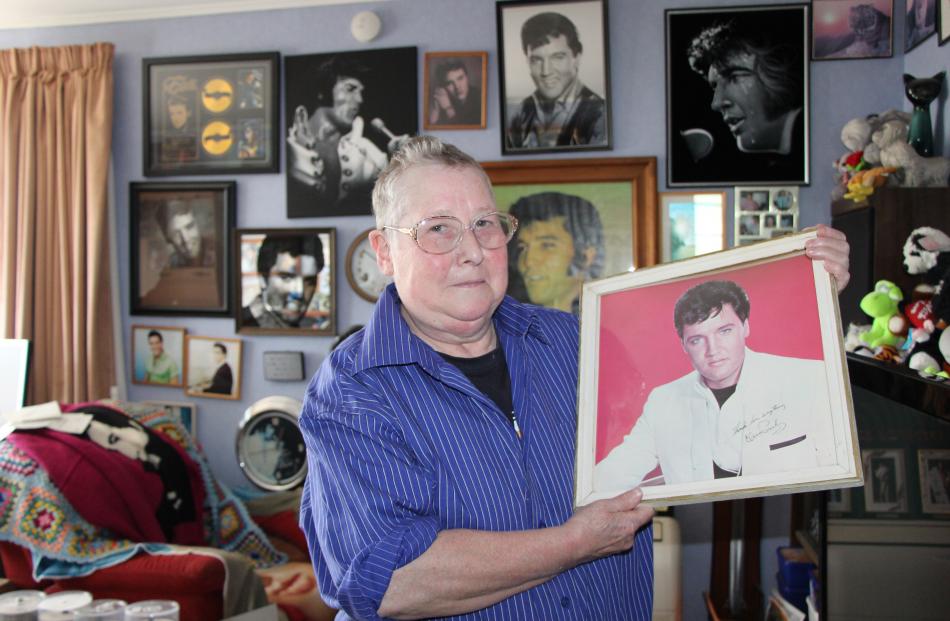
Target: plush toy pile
{"points": [[878, 154], [912, 331]]}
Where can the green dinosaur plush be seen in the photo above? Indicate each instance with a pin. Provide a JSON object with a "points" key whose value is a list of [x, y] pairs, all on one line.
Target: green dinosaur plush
{"points": [[881, 304]]}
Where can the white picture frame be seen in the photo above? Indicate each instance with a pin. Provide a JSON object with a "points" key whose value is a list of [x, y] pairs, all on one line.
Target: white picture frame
{"points": [[621, 365], [934, 469], [885, 487]]}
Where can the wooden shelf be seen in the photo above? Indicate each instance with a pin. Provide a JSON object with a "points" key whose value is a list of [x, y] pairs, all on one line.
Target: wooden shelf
{"points": [[898, 383]]}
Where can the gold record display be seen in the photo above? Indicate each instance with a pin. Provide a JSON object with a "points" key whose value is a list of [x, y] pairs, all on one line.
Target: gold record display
{"points": [[211, 114]]}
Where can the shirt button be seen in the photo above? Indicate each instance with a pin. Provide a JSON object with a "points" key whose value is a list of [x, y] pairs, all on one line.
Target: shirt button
{"points": [[565, 602]]}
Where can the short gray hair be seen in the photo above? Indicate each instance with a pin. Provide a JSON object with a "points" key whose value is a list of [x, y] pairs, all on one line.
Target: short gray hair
{"points": [[417, 151]]}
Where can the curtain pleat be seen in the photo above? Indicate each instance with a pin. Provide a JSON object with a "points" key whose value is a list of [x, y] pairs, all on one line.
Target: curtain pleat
{"points": [[55, 288]]}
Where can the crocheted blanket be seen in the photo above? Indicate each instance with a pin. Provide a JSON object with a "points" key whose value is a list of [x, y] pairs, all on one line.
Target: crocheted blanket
{"points": [[34, 514]]}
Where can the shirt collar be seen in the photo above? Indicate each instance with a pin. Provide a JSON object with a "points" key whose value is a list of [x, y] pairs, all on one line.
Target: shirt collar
{"points": [[387, 339]]}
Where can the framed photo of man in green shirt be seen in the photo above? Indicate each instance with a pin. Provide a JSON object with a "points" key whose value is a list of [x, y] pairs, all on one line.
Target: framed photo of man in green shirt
{"points": [[157, 355]]}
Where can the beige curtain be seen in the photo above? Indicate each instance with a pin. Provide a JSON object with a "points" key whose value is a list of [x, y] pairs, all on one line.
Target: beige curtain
{"points": [[55, 140]]}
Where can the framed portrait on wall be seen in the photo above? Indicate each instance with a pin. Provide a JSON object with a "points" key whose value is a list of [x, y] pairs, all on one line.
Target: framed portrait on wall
{"points": [[286, 281], [934, 469], [737, 95], [345, 114], [158, 355], [751, 333], [213, 367], [211, 114], [691, 224], [180, 251], [455, 87], [920, 22], [577, 220], [554, 76], [852, 29], [885, 486]]}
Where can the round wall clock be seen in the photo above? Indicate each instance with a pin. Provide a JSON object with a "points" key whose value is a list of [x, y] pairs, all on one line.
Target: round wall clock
{"points": [[270, 447], [362, 271]]}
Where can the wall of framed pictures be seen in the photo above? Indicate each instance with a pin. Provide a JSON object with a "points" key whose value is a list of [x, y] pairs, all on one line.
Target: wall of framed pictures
{"points": [[637, 80]]}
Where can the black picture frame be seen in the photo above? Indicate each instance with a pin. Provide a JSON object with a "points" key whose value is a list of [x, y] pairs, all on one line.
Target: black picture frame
{"points": [[589, 127], [943, 22], [211, 114], [344, 114], [172, 278], [703, 148], [833, 38], [918, 27], [254, 313]]}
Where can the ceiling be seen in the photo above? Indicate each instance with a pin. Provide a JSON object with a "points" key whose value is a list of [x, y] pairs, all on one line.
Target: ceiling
{"points": [[42, 13]]}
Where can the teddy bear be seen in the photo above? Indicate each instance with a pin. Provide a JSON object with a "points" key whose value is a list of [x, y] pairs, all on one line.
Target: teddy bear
{"points": [[889, 148], [856, 136]]}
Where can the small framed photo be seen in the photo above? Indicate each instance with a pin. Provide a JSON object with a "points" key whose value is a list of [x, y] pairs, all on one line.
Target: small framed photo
{"points": [[934, 480], [839, 500], [211, 114], [885, 482], [158, 355], [920, 22], [751, 334], [691, 224], [765, 213], [578, 219], [852, 29], [345, 114], [186, 413], [213, 367], [180, 241], [944, 21], [737, 95], [455, 87], [286, 281], [553, 52]]}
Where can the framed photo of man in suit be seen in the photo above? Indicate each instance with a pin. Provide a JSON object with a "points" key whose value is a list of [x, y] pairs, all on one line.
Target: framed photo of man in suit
{"points": [[554, 76], [734, 386], [737, 95], [213, 367]]}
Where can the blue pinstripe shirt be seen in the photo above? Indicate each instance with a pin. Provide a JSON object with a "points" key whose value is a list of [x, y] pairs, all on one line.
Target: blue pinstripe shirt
{"points": [[401, 446]]}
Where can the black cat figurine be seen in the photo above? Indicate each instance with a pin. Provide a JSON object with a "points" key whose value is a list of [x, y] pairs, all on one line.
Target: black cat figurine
{"points": [[921, 92]]}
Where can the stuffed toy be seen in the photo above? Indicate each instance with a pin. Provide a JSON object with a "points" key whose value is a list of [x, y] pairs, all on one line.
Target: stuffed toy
{"points": [[864, 182], [862, 153], [916, 171], [881, 305], [927, 253]]}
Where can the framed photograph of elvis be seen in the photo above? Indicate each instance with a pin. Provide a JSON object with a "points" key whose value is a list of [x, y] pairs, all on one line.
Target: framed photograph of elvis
{"points": [[737, 95], [286, 283], [885, 487], [455, 87], [920, 22], [934, 469], [180, 247], [345, 113], [213, 367], [717, 377], [554, 76], [577, 220], [852, 29], [158, 355], [211, 114]]}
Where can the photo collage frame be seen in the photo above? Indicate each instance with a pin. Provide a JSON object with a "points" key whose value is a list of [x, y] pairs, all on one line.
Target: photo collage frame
{"points": [[765, 212]]}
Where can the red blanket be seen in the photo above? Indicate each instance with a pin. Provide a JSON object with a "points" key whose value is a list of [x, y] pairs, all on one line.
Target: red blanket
{"points": [[125, 495]]}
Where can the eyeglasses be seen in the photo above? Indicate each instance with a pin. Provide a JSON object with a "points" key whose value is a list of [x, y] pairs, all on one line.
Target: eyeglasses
{"points": [[442, 234]]}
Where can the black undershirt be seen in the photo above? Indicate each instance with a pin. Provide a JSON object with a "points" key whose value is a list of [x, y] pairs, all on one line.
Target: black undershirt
{"points": [[722, 395], [489, 374]]}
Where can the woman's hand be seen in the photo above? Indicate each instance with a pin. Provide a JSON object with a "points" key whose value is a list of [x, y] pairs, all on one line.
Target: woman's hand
{"points": [[831, 247]]}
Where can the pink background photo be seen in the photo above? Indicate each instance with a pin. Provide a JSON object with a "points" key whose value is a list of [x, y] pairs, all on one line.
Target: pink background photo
{"points": [[640, 350]]}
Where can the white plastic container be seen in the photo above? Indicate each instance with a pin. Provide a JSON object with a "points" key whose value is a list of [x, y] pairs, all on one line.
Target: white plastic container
{"points": [[102, 610], [20, 605], [60, 606], [152, 610]]}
